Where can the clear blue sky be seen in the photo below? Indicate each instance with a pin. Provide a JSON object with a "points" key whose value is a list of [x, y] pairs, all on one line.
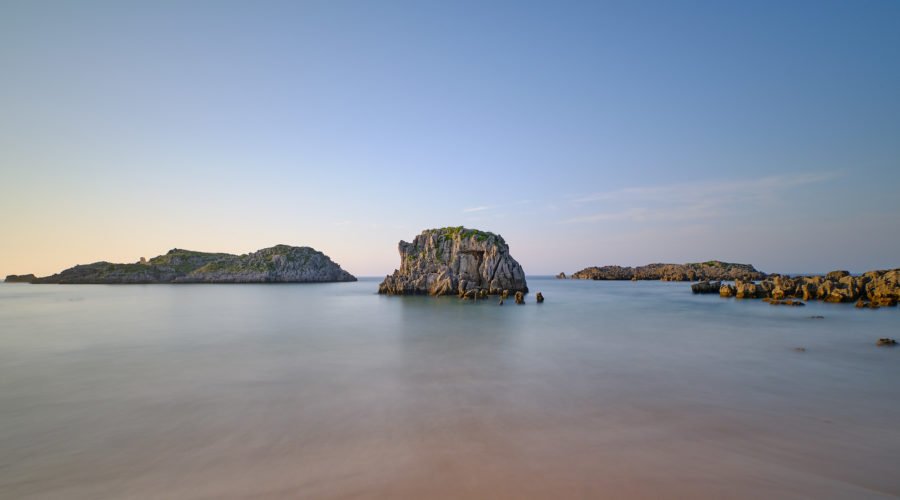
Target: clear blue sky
{"points": [[585, 133]]}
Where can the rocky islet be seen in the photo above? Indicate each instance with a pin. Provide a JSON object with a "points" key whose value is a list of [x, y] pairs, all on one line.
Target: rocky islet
{"points": [[278, 264], [455, 261]]}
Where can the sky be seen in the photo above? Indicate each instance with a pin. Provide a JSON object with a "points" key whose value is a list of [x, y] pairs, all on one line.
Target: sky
{"points": [[585, 133]]}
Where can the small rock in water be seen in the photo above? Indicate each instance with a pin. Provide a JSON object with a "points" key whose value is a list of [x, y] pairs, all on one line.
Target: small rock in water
{"points": [[784, 302], [501, 301], [800, 349], [817, 317], [520, 298], [885, 342], [707, 287], [539, 297]]}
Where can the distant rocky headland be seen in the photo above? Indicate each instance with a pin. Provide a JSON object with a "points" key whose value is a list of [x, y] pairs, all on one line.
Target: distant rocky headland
{"points": [[872, 289], [697, 271], [278, 264], [455, 260]]}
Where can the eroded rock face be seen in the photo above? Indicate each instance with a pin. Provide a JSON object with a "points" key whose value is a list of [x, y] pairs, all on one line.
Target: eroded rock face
{"points": [[697, 271], [455, 260], [871, 290], [278, 264]]}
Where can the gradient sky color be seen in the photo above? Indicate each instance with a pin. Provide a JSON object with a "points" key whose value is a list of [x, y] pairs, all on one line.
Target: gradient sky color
{"points": [[585, 133]]}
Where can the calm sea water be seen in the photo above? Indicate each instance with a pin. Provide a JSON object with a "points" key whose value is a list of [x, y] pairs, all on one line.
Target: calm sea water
{"points": [[608, 389]]}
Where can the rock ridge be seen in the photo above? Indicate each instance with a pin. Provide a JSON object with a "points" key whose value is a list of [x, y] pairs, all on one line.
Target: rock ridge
{"points": [[695, 271], [277, 264]]}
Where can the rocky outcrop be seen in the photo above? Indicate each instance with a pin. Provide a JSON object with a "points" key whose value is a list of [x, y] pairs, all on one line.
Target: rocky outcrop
{"points": [[278, 264], [698, 271], [20, 278], [706, 287], [561, 276], [870, 290], [455, 260]]}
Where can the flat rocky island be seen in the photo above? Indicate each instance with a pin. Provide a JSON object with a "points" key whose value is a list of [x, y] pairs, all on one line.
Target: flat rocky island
{"points": [[696, 271], [278, 264], [455, 260]]}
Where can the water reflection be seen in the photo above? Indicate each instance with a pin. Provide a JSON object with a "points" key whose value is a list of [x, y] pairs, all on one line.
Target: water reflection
{"points": [[607, 389]]}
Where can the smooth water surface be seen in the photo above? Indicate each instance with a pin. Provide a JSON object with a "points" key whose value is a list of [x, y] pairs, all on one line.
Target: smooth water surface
{"points": [[608, 389]]}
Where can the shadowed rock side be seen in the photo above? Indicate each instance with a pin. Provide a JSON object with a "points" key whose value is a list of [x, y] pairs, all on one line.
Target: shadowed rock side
{"points": [[278, 264], [873, 289], [697, 271], [20, 278], [455, 260]]}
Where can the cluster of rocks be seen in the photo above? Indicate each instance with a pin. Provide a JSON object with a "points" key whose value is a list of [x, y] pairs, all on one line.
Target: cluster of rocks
{"points": [[697, 271], [278, 264], [455, 260], [872, 289], [725, 290]]}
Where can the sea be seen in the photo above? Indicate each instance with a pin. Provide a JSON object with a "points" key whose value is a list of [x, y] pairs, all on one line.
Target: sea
{"points": [[605, 390]]}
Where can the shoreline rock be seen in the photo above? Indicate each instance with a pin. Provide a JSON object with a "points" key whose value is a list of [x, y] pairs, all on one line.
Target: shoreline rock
{"points": [[278, 264], [455, 260], [706, 287], [696, 271], [870, 290]]}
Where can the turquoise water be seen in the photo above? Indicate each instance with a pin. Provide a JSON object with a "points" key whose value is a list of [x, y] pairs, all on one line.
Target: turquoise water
{"points": [[615, 389]]}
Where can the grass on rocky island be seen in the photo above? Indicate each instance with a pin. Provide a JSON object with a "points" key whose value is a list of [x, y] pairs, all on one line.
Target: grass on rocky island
{"points": [[463, 233]]}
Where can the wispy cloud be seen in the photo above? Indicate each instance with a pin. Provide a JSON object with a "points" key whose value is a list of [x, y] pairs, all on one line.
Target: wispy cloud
{"points": [[483, 208], [691, 201]]}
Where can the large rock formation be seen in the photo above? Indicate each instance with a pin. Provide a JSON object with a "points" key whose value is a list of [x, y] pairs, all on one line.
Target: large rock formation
{"points": [[872, 289], [455, 260], [278, 264], [697, 271]]}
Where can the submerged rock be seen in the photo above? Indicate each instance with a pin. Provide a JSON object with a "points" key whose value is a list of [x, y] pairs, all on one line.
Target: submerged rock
{"points": [[455, 260], [784, 302], [278, 264], [886, 342]]}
